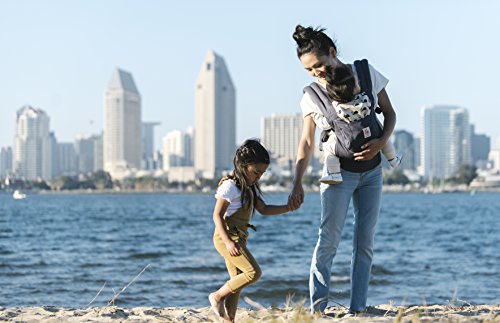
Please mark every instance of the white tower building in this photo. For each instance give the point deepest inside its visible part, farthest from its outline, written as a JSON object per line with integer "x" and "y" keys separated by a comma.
{"x": 177, "y": 149}
{"x": 67, "y": 160}
{"x": 87, "y": 153}
{"x": 280, "y": 134}
{"x": 445, "y": 142}
{"x": 215, "y": 118}
{"x": 122, "y": 124}
{"x": 32, "y": 144}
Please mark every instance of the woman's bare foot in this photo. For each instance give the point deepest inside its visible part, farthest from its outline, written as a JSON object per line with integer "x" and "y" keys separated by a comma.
{"x": 217, "y": 305}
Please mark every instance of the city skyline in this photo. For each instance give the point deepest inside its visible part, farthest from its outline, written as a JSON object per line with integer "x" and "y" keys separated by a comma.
{"x": 429, "y": 54}
{"x": 449, "y": 143}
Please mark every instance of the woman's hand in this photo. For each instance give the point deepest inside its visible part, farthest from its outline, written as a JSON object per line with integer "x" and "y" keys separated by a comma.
{"x": 296, "y": 197}
{"x": 370, "y": 150}
{"x": 304, "y": 153}
{"x": 233, "y": 248}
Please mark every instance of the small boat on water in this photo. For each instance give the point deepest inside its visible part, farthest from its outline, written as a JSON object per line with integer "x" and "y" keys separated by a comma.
{"x": 17, "y": 195}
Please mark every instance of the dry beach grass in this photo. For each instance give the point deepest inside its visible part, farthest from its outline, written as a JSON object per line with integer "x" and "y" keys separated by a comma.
{"x": 291, "y": 312}
{"x": 380, "y": 313}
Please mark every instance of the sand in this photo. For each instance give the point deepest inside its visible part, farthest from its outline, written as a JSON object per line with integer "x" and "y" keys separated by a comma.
{"x": 380, "y": 313}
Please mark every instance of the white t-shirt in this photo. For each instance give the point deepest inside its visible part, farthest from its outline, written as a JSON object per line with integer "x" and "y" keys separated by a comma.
{"x": 307, "y": 105}
{"x": 231, "y": 193}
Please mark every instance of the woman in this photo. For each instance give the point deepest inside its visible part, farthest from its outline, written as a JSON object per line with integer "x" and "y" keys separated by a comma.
{"x": 362, "y": 182}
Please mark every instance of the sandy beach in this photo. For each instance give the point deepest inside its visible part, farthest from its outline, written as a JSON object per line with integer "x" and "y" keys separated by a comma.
{"x": 380, "y": 313}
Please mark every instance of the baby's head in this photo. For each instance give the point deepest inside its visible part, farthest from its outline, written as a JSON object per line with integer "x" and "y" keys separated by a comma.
{"x": 341, "y": 84}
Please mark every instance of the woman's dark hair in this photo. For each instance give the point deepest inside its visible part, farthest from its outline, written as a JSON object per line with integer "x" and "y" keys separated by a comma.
{"x": 340, "y": 83}
{"x": 249, "y": 153}
{"x": 310, "y": 40}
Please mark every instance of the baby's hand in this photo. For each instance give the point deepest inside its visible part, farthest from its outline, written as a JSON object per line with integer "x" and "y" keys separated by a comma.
{"x": 233, "y": 248}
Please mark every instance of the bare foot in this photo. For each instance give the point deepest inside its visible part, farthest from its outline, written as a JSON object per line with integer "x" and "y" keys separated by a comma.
{"x": 217, "y": 306}
{"x": 229, "y": 315}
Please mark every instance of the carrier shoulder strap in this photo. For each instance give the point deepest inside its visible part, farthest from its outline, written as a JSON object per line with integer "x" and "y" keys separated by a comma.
{"x": 318, "y": 97}
{"x": 365, "y": 81}
{"x": 322, "y": 101}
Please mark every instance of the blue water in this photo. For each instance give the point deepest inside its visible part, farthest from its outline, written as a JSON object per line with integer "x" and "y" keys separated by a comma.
{"x": 60, "y": 250}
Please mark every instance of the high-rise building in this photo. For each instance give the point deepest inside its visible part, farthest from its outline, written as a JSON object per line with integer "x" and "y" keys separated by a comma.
{"x": 405, "y": 145}
{"x": 446, "y": 141}
{"x": 98, "y": 153}
{"x": 5, "y": 161}
{"x": 280, "y": 134}
{"x": 67, "y": 161}
{"x": 32, "y": 144}
{"x": 148, "y": 144}
{"x": 158, "y": 160}
{"x": 177, "y": 149}
{"x": 54, "y": 151}
{"x": 122, "y": 124}
{"x": 85, "y": 146}
{"x": 215, "y": 118}
{"x": 494, "y": 158}
{"x": 189, "y": 146}
{"x": 480, "y": 146}
{"x": 418, "y": 155}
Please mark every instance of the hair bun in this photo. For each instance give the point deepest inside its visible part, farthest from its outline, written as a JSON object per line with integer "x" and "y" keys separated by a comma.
{"x": 312, "y": 40}
{"x": 303, "y": 35}
{"x": 244, "y": 150}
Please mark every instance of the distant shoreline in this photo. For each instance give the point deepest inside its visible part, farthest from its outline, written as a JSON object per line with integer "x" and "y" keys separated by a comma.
{"x": 385, "y": 189}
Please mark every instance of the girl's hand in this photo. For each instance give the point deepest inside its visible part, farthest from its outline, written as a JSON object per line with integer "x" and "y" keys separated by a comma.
{"x": 233, "y": 248}
{"x": 296, "y": 197}
{"x": 370, "y": 150}
{"x": 290, "y": 207}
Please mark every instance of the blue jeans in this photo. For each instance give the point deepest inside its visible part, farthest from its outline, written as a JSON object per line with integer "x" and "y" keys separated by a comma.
{"x": 365, "y": 190}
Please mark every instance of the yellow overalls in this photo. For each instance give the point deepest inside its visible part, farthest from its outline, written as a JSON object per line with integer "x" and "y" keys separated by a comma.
{"x": 243, "y": 269}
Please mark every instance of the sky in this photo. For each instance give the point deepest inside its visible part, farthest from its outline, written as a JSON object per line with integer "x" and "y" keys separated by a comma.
{"x": 59, "y": 56}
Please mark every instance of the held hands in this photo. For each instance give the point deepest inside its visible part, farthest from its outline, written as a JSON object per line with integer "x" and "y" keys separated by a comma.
{"x": 296, "y": 197}
{"x": 370, "y": 150}
{"x": 233, "y": 248}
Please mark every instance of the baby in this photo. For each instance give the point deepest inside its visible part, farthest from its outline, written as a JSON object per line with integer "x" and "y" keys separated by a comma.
{"x": 357, "y": 108}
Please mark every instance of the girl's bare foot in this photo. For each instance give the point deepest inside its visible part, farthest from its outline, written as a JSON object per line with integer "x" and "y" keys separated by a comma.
{"x": 217, "y": 305}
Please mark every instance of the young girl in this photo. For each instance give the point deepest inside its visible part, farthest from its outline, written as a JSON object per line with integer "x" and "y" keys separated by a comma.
{"x": 237, "y": 196}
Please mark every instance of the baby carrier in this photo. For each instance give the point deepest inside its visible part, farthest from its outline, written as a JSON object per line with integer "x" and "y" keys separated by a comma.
{"x": 350, "y": 136}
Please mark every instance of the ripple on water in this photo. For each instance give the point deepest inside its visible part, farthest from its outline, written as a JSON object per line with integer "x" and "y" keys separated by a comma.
{"x": 381, "y": 270}
{"x": 426, "y": 246}
{"x": 149, "y": 255}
